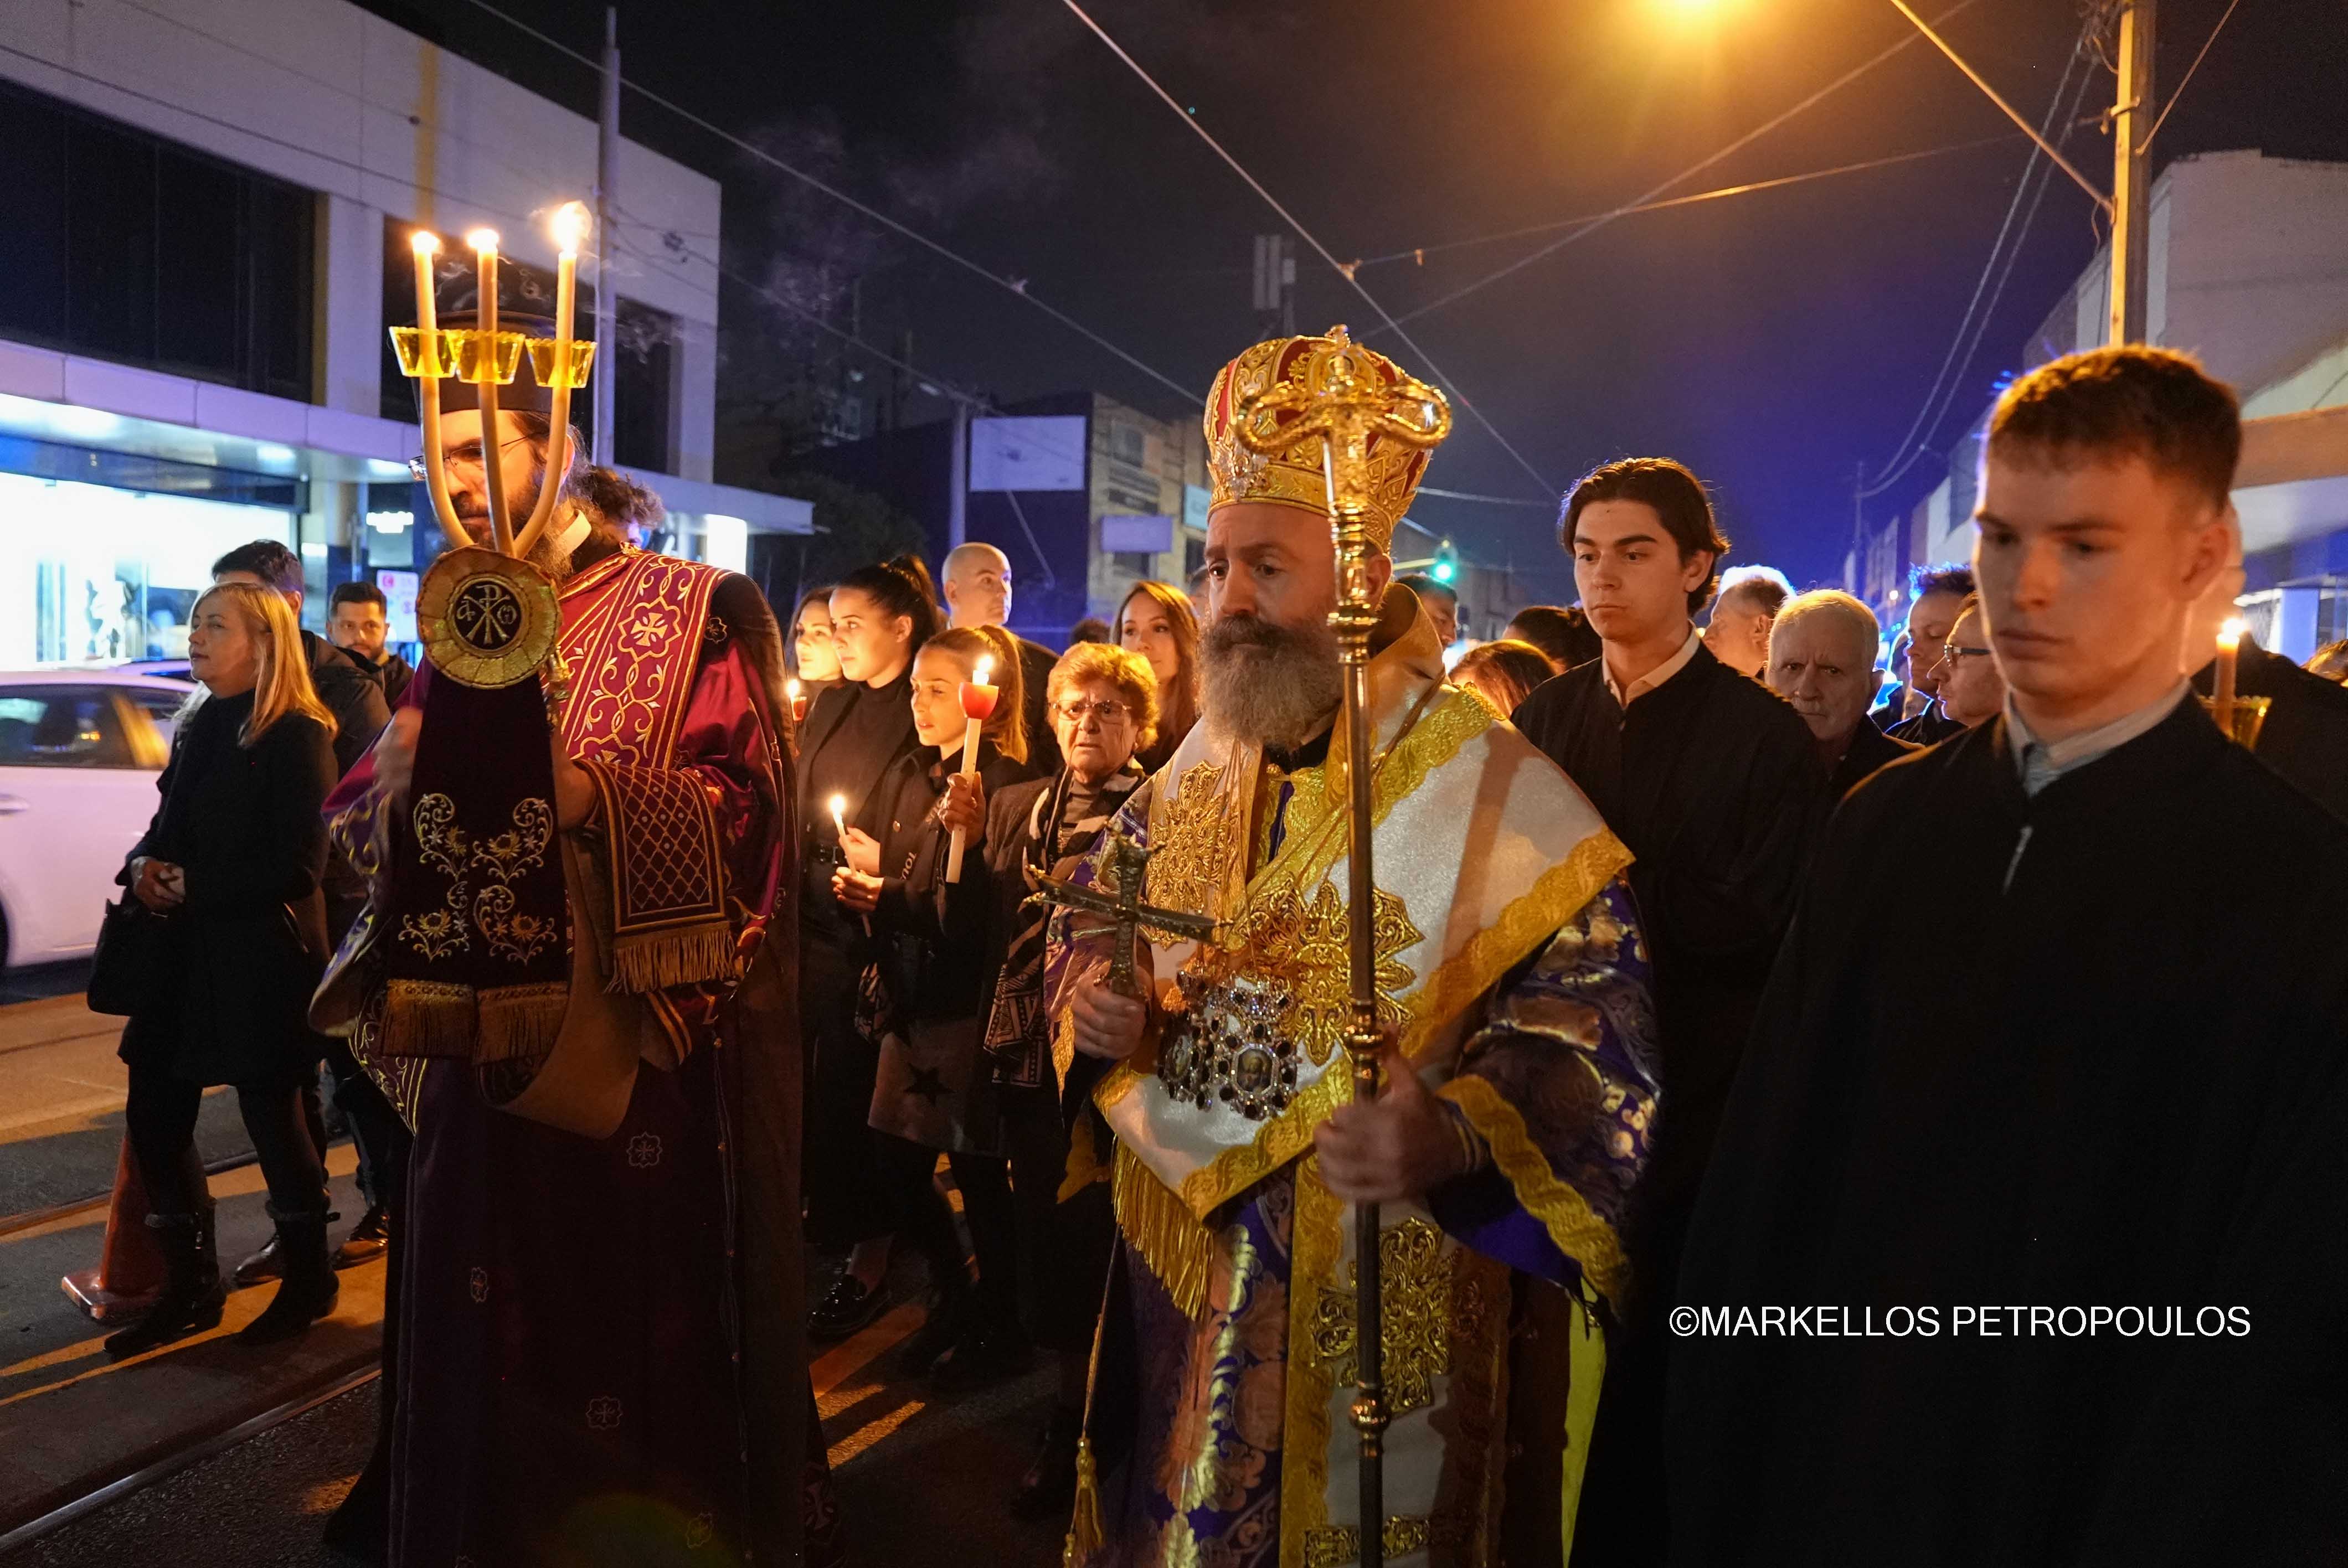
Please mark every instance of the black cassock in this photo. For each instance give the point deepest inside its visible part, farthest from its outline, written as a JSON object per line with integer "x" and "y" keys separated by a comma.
{"x": 1713, "y": 782}
{"x": 2120, "y": 1085}
{"x": 2305, "y": 736}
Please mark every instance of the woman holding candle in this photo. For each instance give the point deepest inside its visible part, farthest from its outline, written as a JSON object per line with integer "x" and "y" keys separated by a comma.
{"x": 1104, "y": 706}
{"x": 855, "y": 730}
{"x": 927, "y": 993}
{"x": 1156, "y": 622}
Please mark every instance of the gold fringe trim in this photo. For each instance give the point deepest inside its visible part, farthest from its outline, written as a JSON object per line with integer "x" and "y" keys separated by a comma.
{"x": 520, "y": 1021}
{"x": 1576, "y": 1230}
{"x": 1084, "y": 1533}
{"x": 1527, "y": 921}
{"x": 1177, "y": 1249}
{"x": 428, "y": 1018}
{"x": 655, "y": 960}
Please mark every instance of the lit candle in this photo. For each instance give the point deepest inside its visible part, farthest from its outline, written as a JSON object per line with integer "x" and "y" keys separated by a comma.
{"x": 839, "y": 806}
{"x": 2222, "y": 688}
{"x": 427, "y": 246}
{"x": 571, "y": 225}
{"x": 799, "y": 701}
{"x": 977, "y": 707}
{"x": 484, "y": 242}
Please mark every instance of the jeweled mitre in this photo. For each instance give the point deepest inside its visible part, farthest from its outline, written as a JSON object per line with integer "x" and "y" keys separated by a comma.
{"x": 1293, "y": 478}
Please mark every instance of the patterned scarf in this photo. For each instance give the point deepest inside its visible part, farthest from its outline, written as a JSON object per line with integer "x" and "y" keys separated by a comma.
{"x": 1066, "y": 823}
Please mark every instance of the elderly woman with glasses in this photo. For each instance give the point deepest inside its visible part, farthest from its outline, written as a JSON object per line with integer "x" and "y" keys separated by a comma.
{"x": 1104, "y": 708}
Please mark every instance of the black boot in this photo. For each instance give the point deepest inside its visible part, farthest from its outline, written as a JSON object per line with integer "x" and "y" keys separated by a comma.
{"x": 990, "y": 1348}
{"x": 947, "y": 1320}
{"x": 308, "y": 1291}
{"x": 193, "y": 1293}
{"x": 1049, "y": 1487}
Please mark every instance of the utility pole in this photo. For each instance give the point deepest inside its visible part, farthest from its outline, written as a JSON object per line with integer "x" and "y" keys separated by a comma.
{"x": 958, "y": 497}
{"x": 1276, "y": 285}
{"x": 2131, "y": 173}
{"x": 607, "y": 307}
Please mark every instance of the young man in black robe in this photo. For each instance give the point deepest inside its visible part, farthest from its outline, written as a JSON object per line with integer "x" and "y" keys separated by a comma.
{"x": 2305, "y": 735}
{"x": 2067, "y": 1234}
{"x": 1713, "y": 782}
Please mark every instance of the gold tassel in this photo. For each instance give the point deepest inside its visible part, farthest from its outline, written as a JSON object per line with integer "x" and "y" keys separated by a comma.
{"x": 1085, "y": 1535}
{"x": 1179, "y": 1250}
{"x": 654, "y": 961}
{"x": 520, "y": 1021}
{"x": 428, "y": 1018}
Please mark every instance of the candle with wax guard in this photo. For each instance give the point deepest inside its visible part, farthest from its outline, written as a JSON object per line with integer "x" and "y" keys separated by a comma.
{"x": 978, "y": 698}
{"x": 792, "y": 690}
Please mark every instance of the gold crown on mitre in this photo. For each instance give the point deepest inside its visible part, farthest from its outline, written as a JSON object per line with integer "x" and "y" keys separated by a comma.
{"x": 1295, "y": 478}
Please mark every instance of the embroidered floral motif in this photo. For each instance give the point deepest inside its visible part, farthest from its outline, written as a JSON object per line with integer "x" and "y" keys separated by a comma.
{"x": 1416, "y": 1304}
{"x": 445, "y": 846}
{"x": 480, "y": 1284}
{"x": 1187, "y": 871}
{"x": 602, "y": 1414}
{"x": 643, "y": 1151}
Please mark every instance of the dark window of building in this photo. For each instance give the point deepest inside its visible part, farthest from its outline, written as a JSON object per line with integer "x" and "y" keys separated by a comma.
{"x": 644, "y": 360}
{"x": 124, "y": 246}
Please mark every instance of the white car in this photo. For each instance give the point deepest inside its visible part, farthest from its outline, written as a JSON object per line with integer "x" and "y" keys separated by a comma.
{"x": 79, "y": 752}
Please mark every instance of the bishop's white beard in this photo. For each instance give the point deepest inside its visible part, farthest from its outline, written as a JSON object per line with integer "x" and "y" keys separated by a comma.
{"x": 1270, "y": 684}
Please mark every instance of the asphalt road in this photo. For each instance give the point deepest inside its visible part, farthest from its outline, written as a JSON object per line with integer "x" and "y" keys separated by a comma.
{"x": 922, "y": 1482}
{"x": 61, "y": 1091}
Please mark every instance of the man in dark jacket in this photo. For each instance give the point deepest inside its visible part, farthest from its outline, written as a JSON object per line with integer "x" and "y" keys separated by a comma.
{"x": 1822, "y": 661}
{"x": 358, "y": 621}
{"x": 354, "y": 695}
{"x": 1714, "y": 784}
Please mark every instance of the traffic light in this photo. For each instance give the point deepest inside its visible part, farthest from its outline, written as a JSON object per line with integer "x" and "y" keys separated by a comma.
{"x": 1447, "y": 563}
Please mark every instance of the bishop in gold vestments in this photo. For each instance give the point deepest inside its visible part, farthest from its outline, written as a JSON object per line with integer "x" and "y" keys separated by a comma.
{"x": 1512, "y": 979}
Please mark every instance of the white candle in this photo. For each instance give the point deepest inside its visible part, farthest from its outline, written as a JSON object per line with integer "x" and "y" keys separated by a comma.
{"x": 484, "y": 242}
{"x": 427, "y": 246}
{"x": 977, "y": 706}
{"x": 2221, "y": 686}
{"x": 571, "y": 225}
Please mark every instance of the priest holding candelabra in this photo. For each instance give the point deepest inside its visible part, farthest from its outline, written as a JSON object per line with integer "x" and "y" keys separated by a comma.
{"x": 574, "y": 979}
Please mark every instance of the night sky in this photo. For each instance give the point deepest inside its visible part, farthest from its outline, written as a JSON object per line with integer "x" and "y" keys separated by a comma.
{"x": 1774, "y": 342}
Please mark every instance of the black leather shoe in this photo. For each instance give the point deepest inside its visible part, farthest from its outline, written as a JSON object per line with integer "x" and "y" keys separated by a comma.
{"x": 1049, "y": 1487}
{"x": 367, "y": 1240}
{"x": 846, "y": 1307}
{"x": 259, "y": 1268}
{"x": 980, "y": 1356}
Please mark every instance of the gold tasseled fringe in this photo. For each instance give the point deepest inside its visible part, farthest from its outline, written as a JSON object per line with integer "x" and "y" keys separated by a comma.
{"x": 1085, "y": 1528}
{"x": 520, "y": 1022}
{"x": 655, "y": 960}
{"x": 1179, "y": 1250}
{"x": 428, "y": 1018}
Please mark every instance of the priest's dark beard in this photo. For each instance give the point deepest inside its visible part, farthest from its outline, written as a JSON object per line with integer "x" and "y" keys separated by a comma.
{"x": 544, "y": 553}
{"x": 1272, "y": 684}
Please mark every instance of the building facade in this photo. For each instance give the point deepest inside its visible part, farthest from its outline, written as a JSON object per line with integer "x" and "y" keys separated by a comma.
{"x": 208, "y": 207}
{"x": 2245, "y": 272}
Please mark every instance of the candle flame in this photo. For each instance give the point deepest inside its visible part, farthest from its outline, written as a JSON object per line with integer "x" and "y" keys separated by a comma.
{"x": 571, "y": 225}
{"x": 485, "y": 240}
{"x": 791, "y": 690}
{"x": 2230, "y": 634}
{"x": 424, "y": 242}
{"x": 839, "y": 805}
{"x": 985, "y": 668}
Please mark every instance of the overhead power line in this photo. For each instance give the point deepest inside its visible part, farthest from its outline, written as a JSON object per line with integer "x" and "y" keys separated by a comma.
{"x": 2032, "y": 186}
{"x": 2187, "y": 76}
{"x": 1306, "y": 234}
{"x": 1690, "y": 172}
{"x": 1418, "y": 252}
{"x": 1018, "y": 287}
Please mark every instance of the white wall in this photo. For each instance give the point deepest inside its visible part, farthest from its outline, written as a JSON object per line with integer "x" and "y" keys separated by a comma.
{"x": 324, "y": 95}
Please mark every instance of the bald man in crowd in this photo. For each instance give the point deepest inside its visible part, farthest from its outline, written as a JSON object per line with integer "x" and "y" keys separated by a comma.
{"x": 977, "y": 587}
{"x": 1822, "y": 661}
{"x": 1738, "y": 631}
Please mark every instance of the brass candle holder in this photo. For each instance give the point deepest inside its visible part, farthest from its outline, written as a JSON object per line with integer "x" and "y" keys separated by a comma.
{"x": 2246, "y": 716}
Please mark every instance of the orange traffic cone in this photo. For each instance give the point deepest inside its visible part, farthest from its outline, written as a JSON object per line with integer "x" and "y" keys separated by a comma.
{"x": 129, "y": 1269}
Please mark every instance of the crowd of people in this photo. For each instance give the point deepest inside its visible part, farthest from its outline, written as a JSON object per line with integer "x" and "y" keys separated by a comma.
{"x": 1882, "y": 978}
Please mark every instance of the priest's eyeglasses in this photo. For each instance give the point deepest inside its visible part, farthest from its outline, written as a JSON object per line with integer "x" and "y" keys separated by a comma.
{"x": 1106, "y": 712}
{"x": 1951, "y": 652}
{"x": 461, "y": 459}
